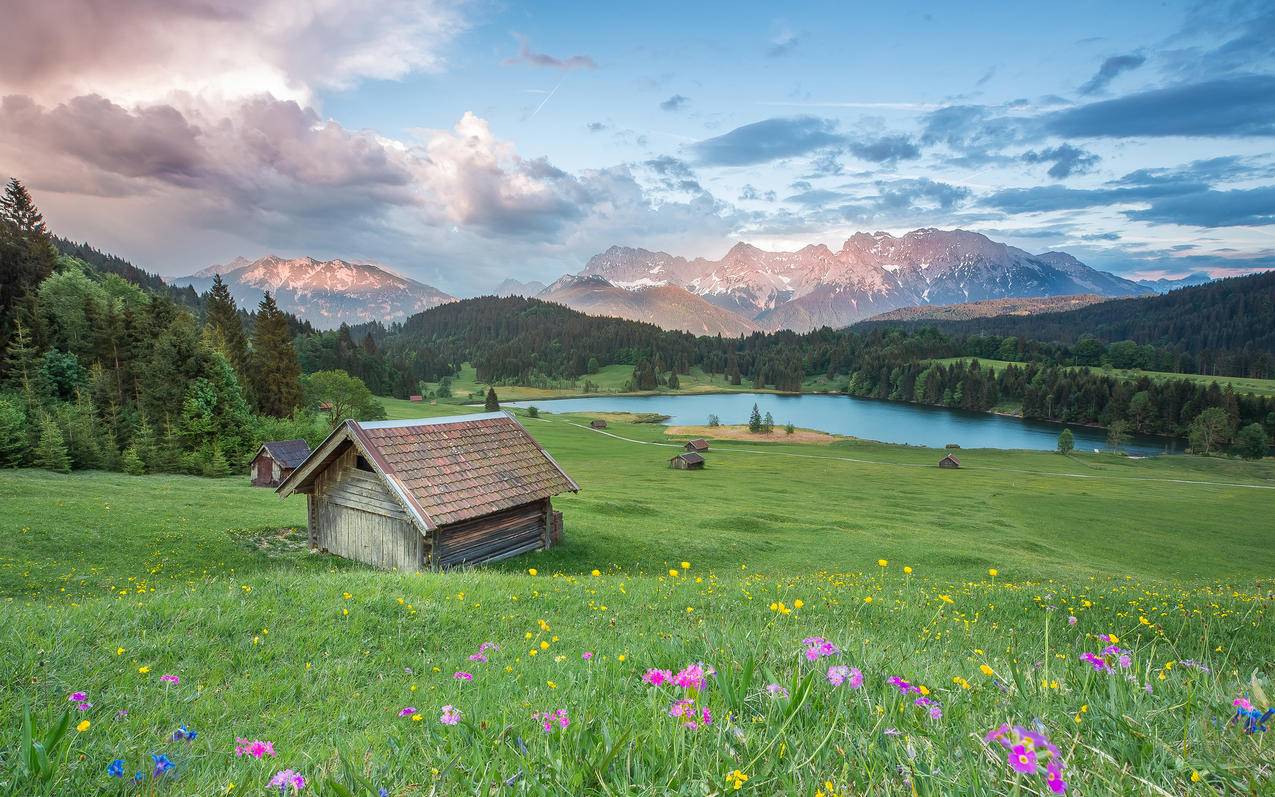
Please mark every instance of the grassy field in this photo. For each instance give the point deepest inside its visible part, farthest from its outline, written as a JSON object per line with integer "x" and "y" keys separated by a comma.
{"x": 111, "y": 581}
{"x": 1258, "y": 387}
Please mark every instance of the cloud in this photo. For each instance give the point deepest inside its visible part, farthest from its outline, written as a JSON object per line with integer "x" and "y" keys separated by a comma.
{"x": 1241, "y": 106}
{"x": 674, "y": 174}
{"x": 146, "y": 50}
{"x": 768, "y": 140}
{"x": 886, "y": 149}
{"x": 528, "y": 56}
{"x": 1066, "y": 159}
{"x": 596, "y": 127}
{"x": 1252, "y": 207}
{"x": 816, "y": 196}
{"x": 783, "y": 43}
{"x": 920, "y": 193}
{"x": 675, "y": 103}
{"x": 1110, "y": 69}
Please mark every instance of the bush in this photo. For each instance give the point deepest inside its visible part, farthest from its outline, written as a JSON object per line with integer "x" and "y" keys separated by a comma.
{"x": 1251, "y": 442}
{"x": 789, "y": 428}
{"x": 532, "y": 412}
{"x": 217, "y": 466}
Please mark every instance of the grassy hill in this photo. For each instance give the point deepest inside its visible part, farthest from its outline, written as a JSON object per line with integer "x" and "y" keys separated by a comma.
{"x": 1257, "y": 387}
{"x": 110, "y": 581}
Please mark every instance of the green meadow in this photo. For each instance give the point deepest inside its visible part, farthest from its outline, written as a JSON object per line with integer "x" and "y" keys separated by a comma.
{"x": 1016, "y": 565}
{"x": 1258, "y": 387}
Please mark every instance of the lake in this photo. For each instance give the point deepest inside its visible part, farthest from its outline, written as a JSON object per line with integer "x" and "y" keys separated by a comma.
{"x": 885, "y": 421}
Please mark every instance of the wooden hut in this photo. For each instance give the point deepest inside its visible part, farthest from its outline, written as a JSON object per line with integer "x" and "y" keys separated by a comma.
{"x": 950, "y": 461}
{"x": 699, "y": 445}
{"x": 431, "y": 493}
{"x": 687, "y": 461}
{"x": 276, "y": 460}
{"x": 598, "y": 423}
{"x": 415, "y": 398}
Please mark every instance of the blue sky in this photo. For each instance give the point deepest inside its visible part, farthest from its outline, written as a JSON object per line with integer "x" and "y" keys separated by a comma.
{"x": 463, "y": 143}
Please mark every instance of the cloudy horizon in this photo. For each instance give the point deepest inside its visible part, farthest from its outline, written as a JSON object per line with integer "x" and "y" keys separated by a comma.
{"x": 464, "y": 143}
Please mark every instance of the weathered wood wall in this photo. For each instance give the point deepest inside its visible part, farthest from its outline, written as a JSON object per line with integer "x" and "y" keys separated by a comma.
{"x": 354, "y": 515}
{"x": 493, "y": 537}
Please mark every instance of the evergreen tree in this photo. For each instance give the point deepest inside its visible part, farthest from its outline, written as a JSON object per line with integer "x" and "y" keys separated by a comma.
{"x": 145, "y": 446}
{"x": 276, "y": 370}
{"x": 492, "y": 404}
{"x": 50, "y": 451}
{"x": 673, "y": 383}
{"x": 131, "y": 461}
{"x": 768, "y": 424}
{"x": 27, "y": 255}
{"x": 789, "y": 428}
{"x": 754, "y": 421}
{"x": 226, "y": 328}
{"x": 14, "y": 442}
{"x": 217, "y": 465}
{"x": 21, "y": 366}
{"x": 1066, "y": 441}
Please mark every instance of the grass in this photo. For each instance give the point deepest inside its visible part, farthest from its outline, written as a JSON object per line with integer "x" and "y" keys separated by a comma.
{"x": 1258, "y": 387}
{"x": 103, "y": 574}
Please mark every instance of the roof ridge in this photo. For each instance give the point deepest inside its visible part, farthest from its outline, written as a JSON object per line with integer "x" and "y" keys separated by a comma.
{"x": 435, "y": 421}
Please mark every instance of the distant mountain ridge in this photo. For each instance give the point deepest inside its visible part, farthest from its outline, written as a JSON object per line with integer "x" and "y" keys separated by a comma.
{"x": 1164, "y": 285}
{"x": 326, "y": 293}
{"x": 666, "y": 306}
{"x": 872, "y": 273}
{"x": 990, "y": 308}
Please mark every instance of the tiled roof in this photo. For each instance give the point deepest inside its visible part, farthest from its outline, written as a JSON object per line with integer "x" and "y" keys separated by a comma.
{"x": 462, "y": 467}
{"x": 690, "y": 458}
{"x": 288, "y": 453}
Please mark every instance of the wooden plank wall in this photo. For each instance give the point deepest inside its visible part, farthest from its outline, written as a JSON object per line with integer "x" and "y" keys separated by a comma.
{"x": 356, "y": 517}
{"x": 492, "y": 537}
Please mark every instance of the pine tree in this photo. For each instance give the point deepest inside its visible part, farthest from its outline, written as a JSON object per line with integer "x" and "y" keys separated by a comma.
{"x": 14, "y": 442}
{"x": 27, "y": 255}
{"x": 492, "y": 403}
{"x": 217, "y": 465}
{"x": 754, "y": 421}
{"x": 145, "y": 445}
{"x": 131, "y": 461}
{"x": 768, "y": 424}
{"x": 226, "y": 328}
{"x": 276, "y": 370}
{"x": 50, "y": 451}
{"x": 21, "y": 365}
{"x": 673, "y": 383}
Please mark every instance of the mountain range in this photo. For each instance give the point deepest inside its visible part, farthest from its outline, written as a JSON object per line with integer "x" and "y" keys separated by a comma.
{"x": 1163, "y": 285}
{"x": 870, "y": 274}
{"x": 327, "y": 293}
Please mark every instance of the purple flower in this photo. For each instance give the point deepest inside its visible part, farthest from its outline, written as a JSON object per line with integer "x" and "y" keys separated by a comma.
{"x": 286, "y": 779}
{"x": 1023, "y": 759}
{"x": 77, "y": 697}
{"x": 837, "y": 674}
{"x": 691, "y": 677}
{"x": 587, "y": 655}
{"x": 903, "y": 686}
{"x": 817, "y": 648}
{"x": 776, "y": 690}
{"x": 463, "y": 676}
{"x": 1095, "y": 661}
{"x": 407, "y": 712}
{"x": 656, "y": 677}
{"x": 450, "y": 715}
{"x": 171, "y": 679}
{"x": 549, "y": 719}
{"x": 691, "y": 718}
{"x": 1071, "y": 619}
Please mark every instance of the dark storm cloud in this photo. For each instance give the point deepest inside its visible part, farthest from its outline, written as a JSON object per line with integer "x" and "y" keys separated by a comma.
{"x": 768, "y": 140}
{"x": 1110, "y": 69}
{"x": 1066, "y": 160}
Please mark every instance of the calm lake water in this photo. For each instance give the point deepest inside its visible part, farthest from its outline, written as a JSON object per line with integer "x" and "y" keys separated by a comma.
{"x": 886, "y": 421}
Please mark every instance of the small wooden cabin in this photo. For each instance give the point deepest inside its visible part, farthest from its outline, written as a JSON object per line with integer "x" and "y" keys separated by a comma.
{"x": 431, "y": 493}
{"x": 415, "y": 397}
{"x": 598, "y": 423}
{"x": 687, "y": 461}
{"x": 950, "y": 461}
{"x": 276, "y": 460}
{"x": 699, "y": 445}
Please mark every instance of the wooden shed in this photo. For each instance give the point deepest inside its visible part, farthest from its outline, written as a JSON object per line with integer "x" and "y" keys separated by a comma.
{"x": 431, "y": 493}
{"x": 598, "y": 423}
{"x": 276, "y": 460}
{"x": 950, "y": 461}
{"x": 699, "y": 445}
{"x": 687, "y": 461}
{"x": 415, "y": 398}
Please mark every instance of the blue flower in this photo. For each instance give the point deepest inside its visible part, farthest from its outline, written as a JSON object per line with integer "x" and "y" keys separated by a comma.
{"x": 184, "y": 734}
{"x": 162, "y": 764}
{"x": 116, "y": 768}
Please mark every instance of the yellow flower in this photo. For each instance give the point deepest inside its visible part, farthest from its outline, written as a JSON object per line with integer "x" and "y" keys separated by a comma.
{"x": 672, "y": 573}
{"x": 736, "y": 779}
{"x": 907, "y": 570}
{"x": 924, "y": 691}
{"x": 552, "y": 685}
{"x": 993, "y": 572}
{"x": 868, "y": 599}
{"x": 544, "y": 645}
{"x": 346, "y": 595}
{"x": 83, "y": 726}
{"x": 946, "y": 599}
{"x": 345, "y": 612}
{"x": 230, "y": 786}
{"x": 686, "y": 565}
{"x": 416, "y": 718}
{"x": 596, "y": 572}
{"x": 143, "y": 669}
{"x": 1195, "y": 776}
{"x": 620, "y": 657}
{"x": 797, "y": 604}
{"x": 532, "y": 571}
{"x": 988, "y": 671}
{"x": 119, "y": 651}
{"x": 532, "y": 652}
{"x": 883, "y": 562}
{"x": 527, "y": 635}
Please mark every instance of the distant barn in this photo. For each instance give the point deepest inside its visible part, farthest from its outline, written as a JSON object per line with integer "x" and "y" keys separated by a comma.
{"x": 415, "y": 397}
{"x": 688, "y": 461}
{"x": 431, "y": 493}
{"x": 950, "y": 461}
{"x": 598, "y": 423}
{"x": 699, "y": 445}
{"x": 276, "y": 460}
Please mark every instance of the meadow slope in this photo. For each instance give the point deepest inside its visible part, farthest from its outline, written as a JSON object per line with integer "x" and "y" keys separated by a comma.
{"x": 110, "y": 581}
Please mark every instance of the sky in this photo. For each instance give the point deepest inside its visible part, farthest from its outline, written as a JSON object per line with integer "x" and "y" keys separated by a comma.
{"x": 462, "y": 143}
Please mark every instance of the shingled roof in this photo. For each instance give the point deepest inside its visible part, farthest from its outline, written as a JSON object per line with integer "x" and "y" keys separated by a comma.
{"x": 288, "y": 453}
{"x": 447, "y": 470}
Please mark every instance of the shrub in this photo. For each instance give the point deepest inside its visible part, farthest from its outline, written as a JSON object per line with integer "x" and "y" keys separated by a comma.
{"x": 533, "y": 412}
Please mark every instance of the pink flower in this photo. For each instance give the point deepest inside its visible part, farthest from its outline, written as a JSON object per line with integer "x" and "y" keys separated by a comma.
{"x": 1095, "y": 661}
{"x": 691, "y": 718}
{"x": 656, "y": 677}
{"x": 903, "y": 686}
{"x": 450, "y": 715}
{"x": 172, "y": 679}
{"x": 478, "y": 657}
{"x": 856, "y": 678}
{"x": 551, "y": 718}
{"x": 838, "y": 674}
{"x": 463, "y": 676}
{"x": 287, "y": 778}
{"x": 1054, "y": 777}
{"x": 1071, "y": 619}
{"x": 407, "y": 712}
{"x": 691, "y": 677}
{"x": 776, "y": 690}
{"x": 1242, "y": 702}
{"x": 77, "y": 697}
{"x": 255, "y": 748}
{"x": 817, "y": 647}
{"x": 587, "y": 655}
{"x": 1023, "y": 759}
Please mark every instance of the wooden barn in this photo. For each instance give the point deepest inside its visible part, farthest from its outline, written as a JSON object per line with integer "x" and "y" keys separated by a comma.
{"x": 687, "y": 461}
{"x": 276, "y": 460}
{"x": 950, "y": 461}
{"x": 699, "y": 445}
{"x": 415, "y": 398}
{"x": 431, "y": 493}
{"x": 598, "y": 423}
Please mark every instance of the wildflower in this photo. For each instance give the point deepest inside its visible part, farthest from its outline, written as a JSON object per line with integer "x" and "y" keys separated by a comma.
{"x": 776, "y": 690}
{"x": 551, "y": 719}
{"x": 797, "y": 604}
{"x": 595, "y": 572}
{"x": 837, "y": 674}
{"x": 1023, "y": 759}
{"x": 450, "y": 715}
{"x": 587, "y": 655}
{"x": 883, "y": 563}
{"x": 656, "y": 677}
{"x": 1097, "y": 662}
{"x": 143, "y": 669}
{"x": 255, "y": 748}
{"x": 817, "y": 647}
{"x": 83, "y": 726}
{"x": 287, "y": 778}
{"x": 407, "y": 712}
{"x": 116, "y": 768}
{"x": 736, "y": 779}
{"x": 162, "y": 764}
{"x": 692, "y": 719}
{"x": 993, "y": 572}
{"x": 686, "y": 565}
{"x": 961, "y": 682}
{"x": 1026, "y": 750}
{"x": 463, "y": 676}
{"x": 531, "y": 571}
{"x": 903, "y": 686}
{"x": 690, "y": 677}
{"x": 672, "y": 573}
{"x": 946, "y": 599}
{"x": 184, "y": 734}
{"x": 77, "y": 697}
{"x": 907, "y": 570}
{"x": 1071, "y": 619}
{"x": 170, "y": 679}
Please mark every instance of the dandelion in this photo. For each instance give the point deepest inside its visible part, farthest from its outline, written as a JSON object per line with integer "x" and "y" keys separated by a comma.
{"x": 143, "y": 669}
{"x": 286, "y": 779}
{"x": 907, "y": 570}
{"x": 531, "y": 571}
{"x": 450, "y": 715}
{"x": 736, "y": 779}
{"x": 883, "y": 563}
{"x": 595, "y": 572}
{"x": 170, "y": 679}
{"x": 254, "y": 748}
{"x": 115, "y": 769}
{"x": 993, "y": 572}
{"x": 686, "y": 565}
{"x": 83, "y": 726}
{"x": 672, "y": 573}
{"x": 797, "y": 604}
